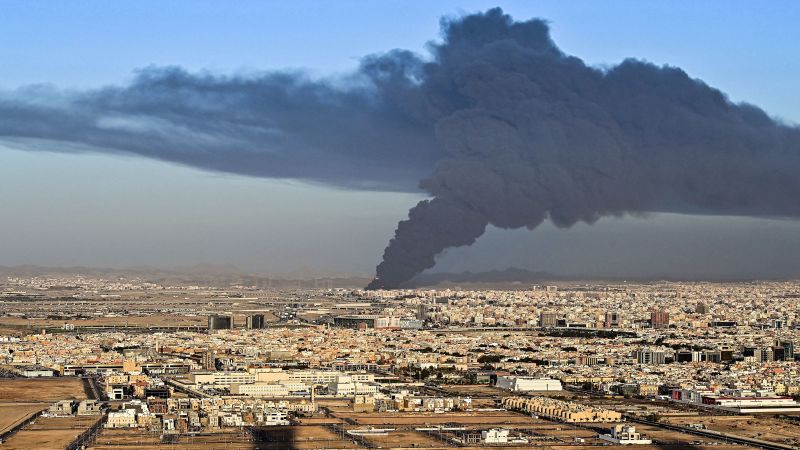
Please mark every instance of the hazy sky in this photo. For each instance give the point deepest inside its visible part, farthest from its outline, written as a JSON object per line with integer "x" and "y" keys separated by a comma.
{"x": 100, "y": 210}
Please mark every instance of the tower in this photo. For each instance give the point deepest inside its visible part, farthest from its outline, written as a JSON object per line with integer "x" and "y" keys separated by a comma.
{"x": 255, "y": 322}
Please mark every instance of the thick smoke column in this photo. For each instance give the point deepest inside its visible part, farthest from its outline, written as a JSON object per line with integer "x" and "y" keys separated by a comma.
{"x": 503, "y": 128}
{"x": 532, "y": 134}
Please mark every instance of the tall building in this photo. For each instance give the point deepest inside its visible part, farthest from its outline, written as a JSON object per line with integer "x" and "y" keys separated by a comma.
{"x": 255, "y": 322}
{"x": 356, "y": 322}
{"x": 613, "y": 319}
{"x": 645, "y": 356}
{"x": 714, "y": 356}
{"x": 788, "y": 349}
{"x": 422, "y": 312}
{"x": 763, "y": 354}
{"x": 217, "y": 322}
{"x": 659, "y": 318}
{"x": 209, "y": 360}
{"x": 702, "y": 308}
{"x": 548, "y": 319}
{"x": 688, "y": 356}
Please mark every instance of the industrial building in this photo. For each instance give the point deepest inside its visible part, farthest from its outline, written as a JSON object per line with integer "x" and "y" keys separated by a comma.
{"x": 219, "y": 322}
{"x": 527, "y": 384}
{"x": 255, "y": 322}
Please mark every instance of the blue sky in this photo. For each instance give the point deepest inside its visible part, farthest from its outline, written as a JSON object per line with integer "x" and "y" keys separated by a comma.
{"x": 99, "y": 210}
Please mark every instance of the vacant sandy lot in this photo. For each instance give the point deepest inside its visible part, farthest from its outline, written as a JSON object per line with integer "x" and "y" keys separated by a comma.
{"x": 404, "y": 438}
{"x": 421, "y": 419}
{"x": 273, "y": 438}
{"x": 131, "y": 320}
{"x": 755, "y": 427}
{"x": 11, "y": 414}
{"x": 49, "y": 433}
{"x": 20, "y": 390}
{"x": 318, "y": 437}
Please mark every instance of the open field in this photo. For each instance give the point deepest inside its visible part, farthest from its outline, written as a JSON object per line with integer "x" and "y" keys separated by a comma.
{"x": 141, "y": 439}
{"x": 645, "y": 447}
{"x": 755, "y": 427}
{"x": 134, "y": 321}
{"x": 12, "y": 414}
{"x": 268, "y": 438}
{"x": 41, "y": 389}
{"x": 674, "y": 438}
{"x": 319, "y": 437}
{"x": 302, "y": 437}
{"x": 318, "y": 420}
{"x": 335, "y": 404}
{"x": 404, "y": 438}
{"x": 48, "y": 433}
{"x": 540, "y": 432}
{"x": 493, "y": 418}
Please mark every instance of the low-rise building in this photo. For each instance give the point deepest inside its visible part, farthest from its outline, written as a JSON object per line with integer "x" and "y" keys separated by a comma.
{"x": 624, "y": 434}
{"x": 560, "y": 410}
{"x": 527, "y": 384}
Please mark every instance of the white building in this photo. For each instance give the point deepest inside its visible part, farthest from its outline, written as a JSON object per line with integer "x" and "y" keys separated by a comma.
{"x": 347, "y": 385}
{"x": 495, "y": 436}
{"x": 36, "y": 372}
{"x": 221, "y": 379}
{"x": 260, "y": 389}
{"x": 625, "y": 435}
{"x": 308, "y": 377}
{"x": 121, "y": 419}
{"x": 272, "y": 416}
{"x": 527, "y": 384}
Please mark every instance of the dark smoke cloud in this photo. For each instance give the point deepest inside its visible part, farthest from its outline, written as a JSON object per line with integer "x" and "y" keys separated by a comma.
{"x": 532, "y": 134}
{"x": 364, "y": 131}
{"x": 502, "y": 127}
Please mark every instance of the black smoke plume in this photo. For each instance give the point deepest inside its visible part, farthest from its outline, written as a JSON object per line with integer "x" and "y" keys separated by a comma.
{"x": 532, "y": 134}
{"x": 368, "y": 130}
{"x": 502, "y": 127}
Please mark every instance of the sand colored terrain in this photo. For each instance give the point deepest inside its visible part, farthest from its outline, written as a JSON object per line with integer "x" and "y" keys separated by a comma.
{"x": 12, "y": 414}
{"x": 50, "y": 390}
{"x": 134, "y": 321}
{"x": 48, "y": 433}
{"x": 274, "y": 438}
{"x": 755, "y": 427}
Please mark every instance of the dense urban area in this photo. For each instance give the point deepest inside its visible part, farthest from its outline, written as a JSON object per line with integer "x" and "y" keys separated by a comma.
{"x": 108, "y": 363}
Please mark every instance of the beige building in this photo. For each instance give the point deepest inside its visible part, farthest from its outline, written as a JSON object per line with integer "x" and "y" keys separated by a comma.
{"x": 560, "y": 410}
{"x": 260, "y": 389}
{"x": 121, "y": 419}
